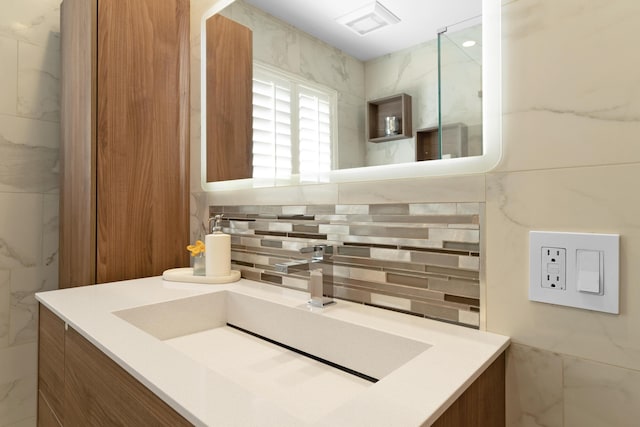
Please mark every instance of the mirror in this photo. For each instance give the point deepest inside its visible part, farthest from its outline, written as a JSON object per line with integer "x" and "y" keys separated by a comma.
{"x": 354, "y": 158}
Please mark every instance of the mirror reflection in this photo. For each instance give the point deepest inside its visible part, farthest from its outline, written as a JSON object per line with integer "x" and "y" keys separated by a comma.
{"x": 315, "y": 107}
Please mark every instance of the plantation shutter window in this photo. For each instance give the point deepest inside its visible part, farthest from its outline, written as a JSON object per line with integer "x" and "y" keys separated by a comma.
{"x": 314, "y": 118}
{"x": 292, "y": 128}
{"x": 271, "y": 129}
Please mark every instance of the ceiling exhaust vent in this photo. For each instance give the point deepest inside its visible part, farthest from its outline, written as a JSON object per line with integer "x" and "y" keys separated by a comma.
{"x": 368, "y": 18}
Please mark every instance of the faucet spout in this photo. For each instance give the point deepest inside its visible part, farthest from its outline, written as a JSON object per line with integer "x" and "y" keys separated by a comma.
{"x": 293, "y": 266}
{"x": 316, "y": 277}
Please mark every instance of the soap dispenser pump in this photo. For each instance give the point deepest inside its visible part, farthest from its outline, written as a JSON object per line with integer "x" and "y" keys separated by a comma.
{"x": 218, "y": 249}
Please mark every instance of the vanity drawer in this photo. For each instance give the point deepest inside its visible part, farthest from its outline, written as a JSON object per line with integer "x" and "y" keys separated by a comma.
{"x": 46, "y": 416}
{"x": 50, "y": 365}
{"x": 483, "y": 402}
{"x": 81, "y": 386}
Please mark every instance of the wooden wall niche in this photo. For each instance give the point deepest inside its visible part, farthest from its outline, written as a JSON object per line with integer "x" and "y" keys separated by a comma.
{"x": 125, "y": 140}
{"x": 379, "y": 109}
{"x": 454, "y": 142}
{"x": 229, "y": 117}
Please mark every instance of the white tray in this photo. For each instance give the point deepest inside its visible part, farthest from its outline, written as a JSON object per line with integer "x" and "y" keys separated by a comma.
{"x": 186, "y": 275}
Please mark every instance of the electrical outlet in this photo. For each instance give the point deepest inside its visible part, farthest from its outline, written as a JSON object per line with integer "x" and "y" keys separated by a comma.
{"x": 553, "y": 268}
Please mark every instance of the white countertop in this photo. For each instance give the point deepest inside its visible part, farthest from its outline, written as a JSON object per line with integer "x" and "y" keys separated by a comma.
{"x": 416, "y": 393}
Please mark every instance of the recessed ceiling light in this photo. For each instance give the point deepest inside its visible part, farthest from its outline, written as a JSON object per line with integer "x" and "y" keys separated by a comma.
{"x": 469, "y": 43}
{"x": 368, "y": 18}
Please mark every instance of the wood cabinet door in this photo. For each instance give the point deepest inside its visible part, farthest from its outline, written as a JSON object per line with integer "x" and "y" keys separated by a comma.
{"x": 125, "y": 139}
{"x": 78, "y": 144}
{"x": 229, "y": 129}
{"x": 98, "y": 392}
{"x": 51, "y": 337}
{"x": 78, "y": 385}
{"x": 142, "y": 138}
{"x": 483, "y": 402}
{"x": 46, "y": 416}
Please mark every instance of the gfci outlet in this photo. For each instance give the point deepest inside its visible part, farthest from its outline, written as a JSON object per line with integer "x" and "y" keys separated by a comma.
{"x": 554, "y": 268}
{"x": 575, "y": 269}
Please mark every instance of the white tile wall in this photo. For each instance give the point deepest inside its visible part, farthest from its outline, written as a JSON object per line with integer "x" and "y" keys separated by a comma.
{"x": 29, "y": 141}
{"x": 546, "y": 389}
{"x": 596, "y": 394}
{"x": 33, "y": 21}
{"x": 20, "y": 230}
{"x": 25, "y": 282}
{"x": 18, "y": 383}
{"x": 5, "y": 307}
{"x": 9, "y": 73}
{"x": 534, "y": 387}
{"x": 38, "y": 82}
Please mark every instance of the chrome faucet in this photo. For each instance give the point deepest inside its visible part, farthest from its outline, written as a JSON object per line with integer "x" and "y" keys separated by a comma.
{"x": 316, "y": 276}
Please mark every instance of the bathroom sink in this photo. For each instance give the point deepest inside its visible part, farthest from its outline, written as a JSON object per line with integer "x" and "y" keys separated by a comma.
{"x": 345, "y": 344}
{"x": 305, "y": 362}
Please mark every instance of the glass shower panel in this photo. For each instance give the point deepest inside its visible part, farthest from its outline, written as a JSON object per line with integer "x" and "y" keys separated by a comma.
{"x": 460, "y": 90}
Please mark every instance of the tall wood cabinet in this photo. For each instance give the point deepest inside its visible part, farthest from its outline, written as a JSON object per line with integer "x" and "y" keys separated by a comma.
{"x": 124, "y": 209}
{"x": 229, "y": 122}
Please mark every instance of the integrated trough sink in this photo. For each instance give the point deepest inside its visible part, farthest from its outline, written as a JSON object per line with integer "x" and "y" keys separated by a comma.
{"x": 303, "y": 361}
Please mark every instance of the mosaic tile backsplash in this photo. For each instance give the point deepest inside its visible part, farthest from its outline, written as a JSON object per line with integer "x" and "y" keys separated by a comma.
{"x": 417, "y": 258}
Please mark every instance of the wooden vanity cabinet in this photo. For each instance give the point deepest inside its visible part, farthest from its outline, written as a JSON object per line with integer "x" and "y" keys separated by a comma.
{"x": 482, "y": 404}
{"x": 50, "y": 369}
{"x": 124, "y": 157}
{"x": 78, "y": 385}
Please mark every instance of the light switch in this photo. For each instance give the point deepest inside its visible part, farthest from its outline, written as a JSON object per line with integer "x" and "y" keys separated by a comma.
{"x": 588, "y": 270}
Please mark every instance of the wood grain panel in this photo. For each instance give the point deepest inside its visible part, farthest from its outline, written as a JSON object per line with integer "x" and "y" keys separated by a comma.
{"x": 142, "y": 138}
{"x": 78, "y": 144}
{"x": 229, "y": 100}
{"x": 482, "y": 404}
{"x": 51, "y": 362}
{"x": 98, "y": 392}
{"x": 46, "y": 417}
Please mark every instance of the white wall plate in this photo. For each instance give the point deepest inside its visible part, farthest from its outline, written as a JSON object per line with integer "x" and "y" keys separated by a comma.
{"x": 587, "y": 271}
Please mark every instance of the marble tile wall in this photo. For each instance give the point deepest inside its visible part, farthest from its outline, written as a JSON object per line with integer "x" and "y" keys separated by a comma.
{"x": 422, "y": 259}
{"x": 29, "y": 141}
{"x": 547, "y": 389}
{"x": 571, "y": 158}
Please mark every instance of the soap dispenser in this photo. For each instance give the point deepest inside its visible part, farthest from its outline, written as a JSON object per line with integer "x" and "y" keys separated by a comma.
{"x": 218, "y": 252}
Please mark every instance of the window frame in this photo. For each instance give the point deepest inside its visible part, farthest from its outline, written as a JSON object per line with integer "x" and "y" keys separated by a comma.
{"x": 297, "y": 85}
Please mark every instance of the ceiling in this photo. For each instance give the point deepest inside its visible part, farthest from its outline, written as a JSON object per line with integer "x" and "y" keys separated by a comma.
{"x": 419, "y": 21}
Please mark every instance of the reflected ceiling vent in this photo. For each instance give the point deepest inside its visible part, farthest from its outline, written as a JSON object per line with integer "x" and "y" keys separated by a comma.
{"x": 368, "y": 18}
